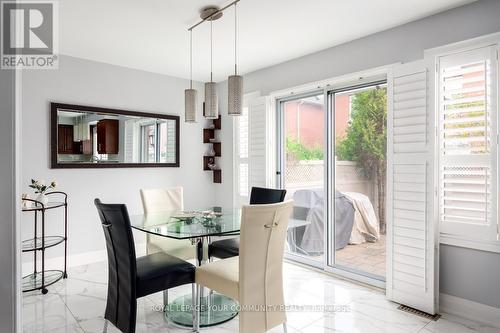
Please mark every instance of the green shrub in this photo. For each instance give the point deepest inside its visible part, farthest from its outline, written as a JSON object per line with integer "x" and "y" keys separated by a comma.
{"x": 301, "y": 152}
{"x": 366, "y": 140}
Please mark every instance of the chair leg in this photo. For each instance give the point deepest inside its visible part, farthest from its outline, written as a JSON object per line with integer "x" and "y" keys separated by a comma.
{"x": 211, "y": 292}
{"x": 198, "y": 308}
{"x": 165, "y": 300}
{"x": 105, "y": 329}
{"x": 285, "y": 330}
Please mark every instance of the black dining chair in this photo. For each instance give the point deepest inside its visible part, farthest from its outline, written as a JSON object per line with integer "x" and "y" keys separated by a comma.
{"x": 230, "y": 247}
{"x": 130, "y": 278}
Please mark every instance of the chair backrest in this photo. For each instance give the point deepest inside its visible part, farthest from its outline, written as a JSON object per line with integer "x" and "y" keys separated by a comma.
{"x": 162, "y": 199}
{"x": 262, "y": 196}
{"x": 121, "y": 304}
{"x": 262, "y": 245}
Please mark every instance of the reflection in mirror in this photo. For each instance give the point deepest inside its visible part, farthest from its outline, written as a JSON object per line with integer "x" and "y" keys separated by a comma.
{"x": 103, "y": 137}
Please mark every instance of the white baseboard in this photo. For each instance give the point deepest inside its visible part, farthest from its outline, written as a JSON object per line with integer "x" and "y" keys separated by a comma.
{"x": 75, "y": 260}
{"x": 469, "y": 309}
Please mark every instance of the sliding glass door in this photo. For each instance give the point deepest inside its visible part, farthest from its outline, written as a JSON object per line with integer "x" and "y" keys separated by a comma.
{"x": 302, "y": 151}
{"x": 331, "y": 161}
{"x": 358, "y": 151}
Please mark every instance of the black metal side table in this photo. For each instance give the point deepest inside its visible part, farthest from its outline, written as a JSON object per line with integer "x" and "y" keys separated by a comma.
{"x": 40, "y": 280}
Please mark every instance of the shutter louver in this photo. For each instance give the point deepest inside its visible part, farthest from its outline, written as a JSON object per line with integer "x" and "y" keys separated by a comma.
{"x": 465, "y": 123}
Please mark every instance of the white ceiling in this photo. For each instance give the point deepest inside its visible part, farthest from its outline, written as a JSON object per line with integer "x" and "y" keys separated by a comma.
{"x": 152, "y": 34}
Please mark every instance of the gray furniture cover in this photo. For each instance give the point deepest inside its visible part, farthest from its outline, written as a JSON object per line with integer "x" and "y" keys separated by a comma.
{"x": 309, "y": 205}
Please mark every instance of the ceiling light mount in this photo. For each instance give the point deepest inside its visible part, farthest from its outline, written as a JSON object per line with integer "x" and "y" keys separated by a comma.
{"x": 208, "y": 13}
{"x": 211, "y": 13}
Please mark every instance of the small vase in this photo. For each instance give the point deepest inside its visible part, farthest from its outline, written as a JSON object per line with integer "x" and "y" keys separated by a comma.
{"x": 42, "y": 198}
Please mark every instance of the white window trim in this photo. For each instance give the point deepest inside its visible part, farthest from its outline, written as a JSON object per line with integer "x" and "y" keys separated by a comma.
{"x": 453, "y": 240}
{"x": 432, "y": 57}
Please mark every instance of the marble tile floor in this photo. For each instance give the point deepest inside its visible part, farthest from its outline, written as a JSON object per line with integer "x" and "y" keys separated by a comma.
{"x": 77, "y": 305}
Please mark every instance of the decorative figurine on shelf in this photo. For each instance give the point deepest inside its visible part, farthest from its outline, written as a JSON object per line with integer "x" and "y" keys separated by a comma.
{"x": 213, "y": 166}
{"x": 25, "y": 203}
{"x": 211, "y": 152}
{"x": 41, "y": 188}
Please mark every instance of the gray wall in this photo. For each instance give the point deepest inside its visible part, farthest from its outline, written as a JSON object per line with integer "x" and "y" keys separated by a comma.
{"x": 470, "y": 274}
{"x": 400, "y": 44}
{"x": 465, "y": 273}
{"x": 79, "y": 81}
{"x": 8, "y": 242}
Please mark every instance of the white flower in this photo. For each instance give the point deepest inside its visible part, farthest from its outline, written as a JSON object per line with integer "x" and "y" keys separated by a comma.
{"x": 53, "y": 184}
{"x": 41, "y": 182}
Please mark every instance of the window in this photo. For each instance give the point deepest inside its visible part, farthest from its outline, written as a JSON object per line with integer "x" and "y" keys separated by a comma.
{"x": 468, "y": 144}
{"x": 148, "y": 143}
{"x": 158, "y": 142}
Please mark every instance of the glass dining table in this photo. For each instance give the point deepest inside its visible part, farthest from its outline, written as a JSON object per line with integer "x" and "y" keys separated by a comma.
{"x": 199, "y": 227}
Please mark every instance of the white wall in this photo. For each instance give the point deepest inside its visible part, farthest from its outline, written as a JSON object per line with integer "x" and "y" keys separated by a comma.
{"x": 79, "y": 81}
{"x": 9, "y": 209}
{"x": 473, "y": 276}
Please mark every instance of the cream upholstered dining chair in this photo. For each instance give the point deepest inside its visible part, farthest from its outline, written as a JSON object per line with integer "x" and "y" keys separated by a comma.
{"x": 161, "y": 200}
{"x": 255, "y": 278}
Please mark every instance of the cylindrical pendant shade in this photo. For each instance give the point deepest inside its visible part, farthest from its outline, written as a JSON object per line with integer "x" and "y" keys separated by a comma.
{"x": 235, "y": 95}
{"x": 190, "y": 102}
{"x": 211, "y": 101}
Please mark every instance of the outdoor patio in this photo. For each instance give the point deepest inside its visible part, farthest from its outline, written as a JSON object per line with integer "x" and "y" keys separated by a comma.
{"x": 367, "y": 257}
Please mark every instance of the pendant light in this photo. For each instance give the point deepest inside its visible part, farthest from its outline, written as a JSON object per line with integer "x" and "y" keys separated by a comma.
{"x": 190, "y": 95}
{"x": 235, "y": 82}
{"x": 211, "y": 98}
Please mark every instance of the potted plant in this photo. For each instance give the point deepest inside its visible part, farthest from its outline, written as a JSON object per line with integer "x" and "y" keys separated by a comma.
{"x": 41, "y": 188}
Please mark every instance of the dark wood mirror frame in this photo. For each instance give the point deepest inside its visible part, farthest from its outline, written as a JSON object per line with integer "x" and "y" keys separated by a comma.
{"x": 54, "y": 107}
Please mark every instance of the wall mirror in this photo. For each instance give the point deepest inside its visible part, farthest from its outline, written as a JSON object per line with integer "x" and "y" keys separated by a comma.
{"x": 93, "y": 137}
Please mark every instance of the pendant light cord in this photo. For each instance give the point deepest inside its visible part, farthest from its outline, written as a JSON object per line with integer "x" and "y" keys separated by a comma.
{"x": 235, "y": 40}
{"x": 190, "y": 59}
{"x": 211, "y": 47}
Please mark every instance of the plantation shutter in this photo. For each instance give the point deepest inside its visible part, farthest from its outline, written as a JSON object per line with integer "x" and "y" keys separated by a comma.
{"x": 468, "y": 143}
{"x": 251, "y": 147}
{"x": 129, "y": 141}
{"x": 258, "y": 142}
{"x": 241, "y": 157}
{"x": 411, "y": 234}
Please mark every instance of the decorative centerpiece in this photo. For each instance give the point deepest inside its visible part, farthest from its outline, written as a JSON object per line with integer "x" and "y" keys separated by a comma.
{"x": 186, "y": 217}
{"x": 210, "y": 219}
{"x": 41, "y": 188}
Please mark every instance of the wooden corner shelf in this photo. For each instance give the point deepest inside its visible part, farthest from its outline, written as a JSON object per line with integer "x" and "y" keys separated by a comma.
{"x": 217, "y": 176}
{"x": 209, "y": 138}
{"x": 208, "y": 133}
